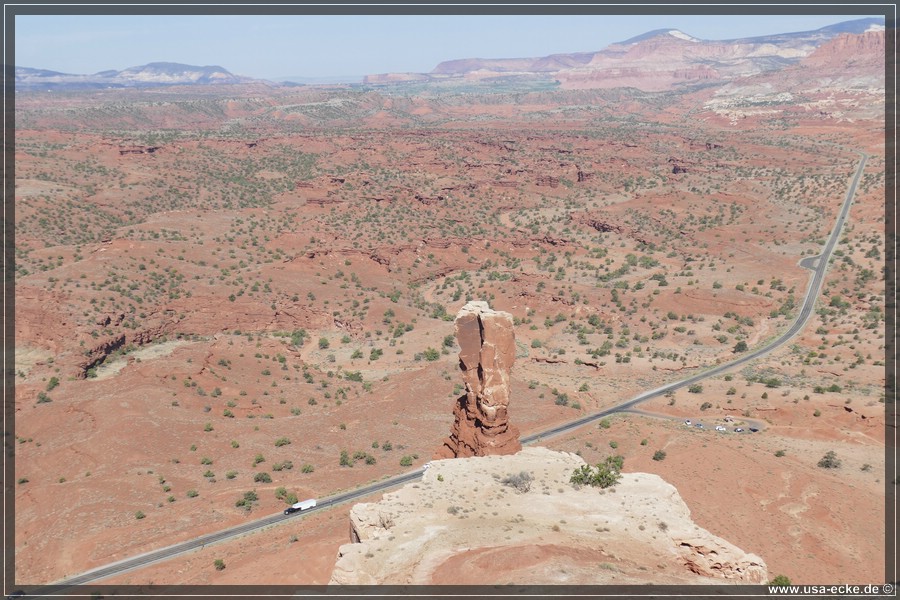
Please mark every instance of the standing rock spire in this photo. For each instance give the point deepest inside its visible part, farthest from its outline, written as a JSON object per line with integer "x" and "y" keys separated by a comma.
{"x": 487, "y": 351}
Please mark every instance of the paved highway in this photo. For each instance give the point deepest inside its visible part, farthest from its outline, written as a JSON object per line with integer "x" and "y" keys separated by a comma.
{"x": 818, "y": 264}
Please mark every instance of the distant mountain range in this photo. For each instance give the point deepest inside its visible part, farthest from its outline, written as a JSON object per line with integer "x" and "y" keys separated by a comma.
{"x": 152, "y": 74}
{"x": 657, "y": 60}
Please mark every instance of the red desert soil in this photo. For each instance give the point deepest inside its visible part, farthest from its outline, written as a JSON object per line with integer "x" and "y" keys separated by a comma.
{"x": 283, "y": 294}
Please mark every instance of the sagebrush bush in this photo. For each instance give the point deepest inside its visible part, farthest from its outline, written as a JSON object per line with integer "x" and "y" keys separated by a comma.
{"x": 520, "y": 481}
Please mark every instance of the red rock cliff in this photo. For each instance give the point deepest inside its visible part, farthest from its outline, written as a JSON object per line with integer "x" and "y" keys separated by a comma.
{"x": 850, "y": 49}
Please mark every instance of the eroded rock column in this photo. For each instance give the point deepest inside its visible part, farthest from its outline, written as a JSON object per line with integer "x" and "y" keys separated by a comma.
{"x": 487, "y": 351}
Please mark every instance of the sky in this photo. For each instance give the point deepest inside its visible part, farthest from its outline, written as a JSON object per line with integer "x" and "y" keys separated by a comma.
{"x": 274, "y": 47}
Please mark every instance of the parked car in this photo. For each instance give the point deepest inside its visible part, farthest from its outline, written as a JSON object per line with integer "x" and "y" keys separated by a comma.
{"x": 699, "y": 425}
{"x": 687, "y": 422}
{"x": 720, "y": 428}
{"x": 753, "y": 430}
{"x": 738, "y": 429}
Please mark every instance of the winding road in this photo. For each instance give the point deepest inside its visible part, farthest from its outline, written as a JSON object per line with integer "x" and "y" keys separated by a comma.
{"x": 818, "y": 264}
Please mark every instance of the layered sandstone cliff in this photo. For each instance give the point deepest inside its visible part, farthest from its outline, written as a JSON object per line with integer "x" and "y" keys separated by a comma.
{"x": 462, "y": 525}
{"x": 487, "y": 351}
{"x": 850, "y": 50}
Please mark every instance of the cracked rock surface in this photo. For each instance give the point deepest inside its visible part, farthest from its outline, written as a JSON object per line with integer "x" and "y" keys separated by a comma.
{"x": 487, "y": 350}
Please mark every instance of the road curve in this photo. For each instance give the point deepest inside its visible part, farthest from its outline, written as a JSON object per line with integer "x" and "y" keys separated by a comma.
{"x": 819, "y": 265}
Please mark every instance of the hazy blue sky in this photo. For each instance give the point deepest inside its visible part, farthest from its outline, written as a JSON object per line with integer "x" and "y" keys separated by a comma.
{"x": 319, "y": 46}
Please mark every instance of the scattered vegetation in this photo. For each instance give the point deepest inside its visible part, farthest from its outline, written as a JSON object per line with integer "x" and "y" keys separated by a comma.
{"x": 248, "y": 500}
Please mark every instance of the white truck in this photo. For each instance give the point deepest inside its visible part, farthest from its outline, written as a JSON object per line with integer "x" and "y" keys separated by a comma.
{"x": 303, "y": 505}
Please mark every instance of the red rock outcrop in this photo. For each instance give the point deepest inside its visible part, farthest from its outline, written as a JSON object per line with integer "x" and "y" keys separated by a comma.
{"x": 848, "y": 50}
{"x": 547, "y": 181}
{"x": 138, "y": 150}
{"x": 487, "y": 351}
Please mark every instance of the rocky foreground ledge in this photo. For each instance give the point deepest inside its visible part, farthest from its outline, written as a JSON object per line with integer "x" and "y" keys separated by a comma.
{"x": 462, "y": 525}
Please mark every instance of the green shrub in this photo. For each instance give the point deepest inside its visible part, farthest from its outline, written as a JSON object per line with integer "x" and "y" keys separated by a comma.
{"x": 139, "y": 515}
{"x": 829, "y": 461}
{"x": 282, "y": 441}
{"x": 603, "y": 475}
{"x": 406, "y": 461}
{"x": 262, "y": 478}
{"x": 219, "y": 564}
{"x": 248, "y": 499}
{"x": 659, "y": 455}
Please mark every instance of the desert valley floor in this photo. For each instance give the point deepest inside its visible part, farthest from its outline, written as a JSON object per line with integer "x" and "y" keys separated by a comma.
{"x": 219, "y": 292}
